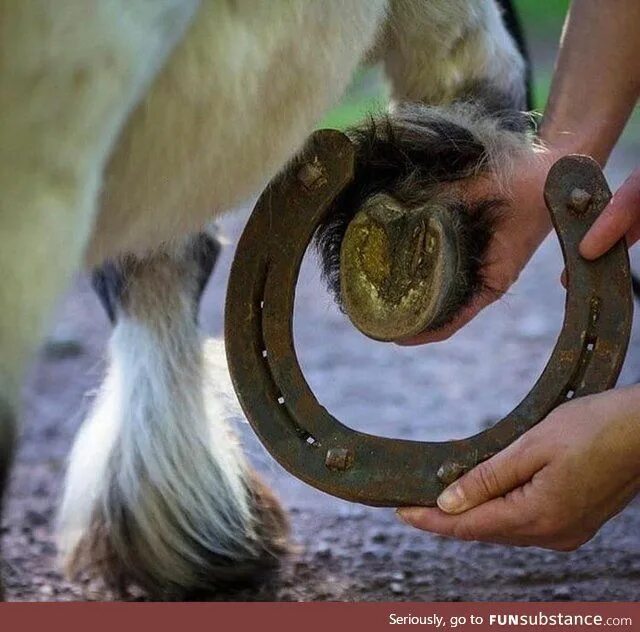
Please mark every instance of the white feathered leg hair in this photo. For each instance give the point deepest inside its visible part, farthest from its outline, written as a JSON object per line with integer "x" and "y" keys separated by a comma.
{"x": 158, "y": 493}
{"x": 71, "y": 74}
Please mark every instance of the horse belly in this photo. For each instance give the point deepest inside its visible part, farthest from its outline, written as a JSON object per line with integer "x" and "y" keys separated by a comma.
{"x": 235, "y": 101}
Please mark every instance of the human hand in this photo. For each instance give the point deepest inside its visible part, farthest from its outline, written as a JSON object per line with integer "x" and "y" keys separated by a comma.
{"x": 555, "y": 486}
{"x": 520, "y": 230}
{"x": 621, "y": 218}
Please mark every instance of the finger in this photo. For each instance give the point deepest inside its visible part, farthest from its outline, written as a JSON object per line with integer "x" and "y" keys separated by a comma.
{"x": 621, "y": 214}
{"x": 502, "y": 473}
{"x": 502, "y": 520}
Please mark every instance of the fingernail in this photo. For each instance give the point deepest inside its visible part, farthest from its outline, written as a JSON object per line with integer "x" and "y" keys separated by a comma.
{"x": 586, "y": 249}
{"x": 452, "y": 499}
{"x": 583, "y": 250}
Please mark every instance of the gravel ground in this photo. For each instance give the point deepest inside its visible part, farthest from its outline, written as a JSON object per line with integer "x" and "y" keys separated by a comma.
{"x": 346, "y": 552}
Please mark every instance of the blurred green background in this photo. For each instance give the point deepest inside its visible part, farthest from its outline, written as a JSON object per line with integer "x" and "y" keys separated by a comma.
{"x": 542, "y": 21}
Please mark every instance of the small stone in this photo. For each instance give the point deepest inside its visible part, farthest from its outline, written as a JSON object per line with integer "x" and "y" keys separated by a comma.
{"x": 323, "y": 551}
{"x": 95, "y": 586}
{"x": 371, "y": 554}
{"x": 35, "y": 518}
{"x": 428, "y": 579}
{"x": 379, "y": 537}
{"x": 48, "y": 548}
{"x": 397, "y": 588}
{"x": 562, "y": 593}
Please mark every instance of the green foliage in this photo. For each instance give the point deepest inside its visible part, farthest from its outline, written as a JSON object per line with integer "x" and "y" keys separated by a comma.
{"x": 540, "y": 15}
{"x": 350, "y": 112}
{"x": 541, "y": 85}
{"x": 367, "y": 95}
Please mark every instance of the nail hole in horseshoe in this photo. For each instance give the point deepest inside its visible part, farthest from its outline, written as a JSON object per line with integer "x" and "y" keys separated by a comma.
{"x": 305, "y": 436}
{"x": 312, "y": 441}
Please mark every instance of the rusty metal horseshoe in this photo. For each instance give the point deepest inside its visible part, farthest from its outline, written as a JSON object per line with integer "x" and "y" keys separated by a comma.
{"x": 313, "y": 445}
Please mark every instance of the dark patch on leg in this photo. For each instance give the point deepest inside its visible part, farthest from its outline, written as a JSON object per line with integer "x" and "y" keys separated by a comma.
{"x": 110, "y": 280}
{"x": 205, "y": 251}
{"x": 512, "y": 22}
{"x": 107, "y": 282}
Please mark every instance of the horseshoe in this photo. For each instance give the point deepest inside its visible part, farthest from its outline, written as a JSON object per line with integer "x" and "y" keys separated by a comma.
{"x": 312, "y": 444}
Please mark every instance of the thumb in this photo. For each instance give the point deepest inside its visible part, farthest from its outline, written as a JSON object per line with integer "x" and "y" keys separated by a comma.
{"x": 495, "y": 477}
{"x": 617, "y": 219}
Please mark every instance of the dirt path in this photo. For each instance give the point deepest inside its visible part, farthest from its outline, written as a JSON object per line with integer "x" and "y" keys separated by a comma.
{"x": 347, "y": 552}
